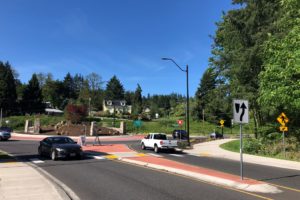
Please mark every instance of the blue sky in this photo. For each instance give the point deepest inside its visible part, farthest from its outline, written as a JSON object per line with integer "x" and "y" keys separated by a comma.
{"x": 126, "y": 38}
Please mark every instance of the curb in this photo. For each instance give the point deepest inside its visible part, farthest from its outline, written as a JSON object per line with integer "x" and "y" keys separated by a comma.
{"x": 260, "y": 188}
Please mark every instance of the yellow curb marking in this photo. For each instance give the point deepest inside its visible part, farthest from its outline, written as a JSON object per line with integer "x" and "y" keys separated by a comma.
{"x": 141, "y": 154}
{"x": 204, "y": 154}
{"x": 111, "y": 157}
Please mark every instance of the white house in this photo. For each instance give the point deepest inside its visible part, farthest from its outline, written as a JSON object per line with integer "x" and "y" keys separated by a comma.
{"x": 118, "y": 105}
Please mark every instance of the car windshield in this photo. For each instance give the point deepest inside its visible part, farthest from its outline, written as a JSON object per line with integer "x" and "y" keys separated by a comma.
{"x": 62, "y": 140}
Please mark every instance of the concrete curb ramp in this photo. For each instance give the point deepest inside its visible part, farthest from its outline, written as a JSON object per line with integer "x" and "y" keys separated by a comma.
{"x": 246, "y": 185}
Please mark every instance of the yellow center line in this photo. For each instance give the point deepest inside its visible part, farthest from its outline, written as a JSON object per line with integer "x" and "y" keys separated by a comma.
{"x": 285, "y": 187}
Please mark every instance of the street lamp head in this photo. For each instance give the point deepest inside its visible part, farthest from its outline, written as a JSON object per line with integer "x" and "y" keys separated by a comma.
{"x": 166, "y": 58}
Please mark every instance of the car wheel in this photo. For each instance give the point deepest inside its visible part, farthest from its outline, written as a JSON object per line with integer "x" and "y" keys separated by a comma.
{"x": 53, "y": 155}
{"x": 143, "y": 146}
{"x": 156, "y": 149}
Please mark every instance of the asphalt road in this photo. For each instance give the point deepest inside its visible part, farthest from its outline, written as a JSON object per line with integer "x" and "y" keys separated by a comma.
{"x": 106, "y": 179}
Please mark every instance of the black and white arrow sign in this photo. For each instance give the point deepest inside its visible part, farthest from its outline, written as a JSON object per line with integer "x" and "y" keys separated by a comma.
{"x": 241, "y": 111}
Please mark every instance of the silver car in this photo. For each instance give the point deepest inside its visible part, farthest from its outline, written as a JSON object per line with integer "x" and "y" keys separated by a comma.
{"x": 5, "y": 133}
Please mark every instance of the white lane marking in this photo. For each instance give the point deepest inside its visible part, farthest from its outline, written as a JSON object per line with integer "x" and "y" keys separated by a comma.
{"x": 176, "y": 155}
{"x": 153, "y": 154}
{"x": 98, "y": 157}
{"x": 36, "y": 161}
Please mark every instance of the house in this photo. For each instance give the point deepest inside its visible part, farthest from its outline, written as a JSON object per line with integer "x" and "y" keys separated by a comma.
{"x": 118, "y": 105}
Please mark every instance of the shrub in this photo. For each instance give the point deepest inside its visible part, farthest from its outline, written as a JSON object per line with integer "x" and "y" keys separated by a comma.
{"x": 76, "y": 113}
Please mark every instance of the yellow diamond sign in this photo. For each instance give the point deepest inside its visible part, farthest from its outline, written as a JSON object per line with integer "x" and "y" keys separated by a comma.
{"x": 222, "y": 121}
{"x": 282, "y": 119}
{"x": 283, "y": 128}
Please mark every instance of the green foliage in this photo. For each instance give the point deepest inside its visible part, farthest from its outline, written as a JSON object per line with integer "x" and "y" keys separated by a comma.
{"x": 114, "y": 89}
{"x": 137, "y": 104}
{"x": 8, "y": 93}
{"x": 279, "y": 82}
{"x": 32, "y": 101}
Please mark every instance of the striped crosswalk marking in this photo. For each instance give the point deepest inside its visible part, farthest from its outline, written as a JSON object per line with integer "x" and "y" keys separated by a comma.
{"x": 99, "y": 157}
{"x": 176, "y": 155}
{"x": 36, "y": 161}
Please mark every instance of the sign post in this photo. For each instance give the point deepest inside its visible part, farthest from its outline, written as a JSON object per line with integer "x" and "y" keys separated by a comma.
{"x": 241, "y": 116}
{"x": 222, "y": 125}
{"x": 283, "y": 120}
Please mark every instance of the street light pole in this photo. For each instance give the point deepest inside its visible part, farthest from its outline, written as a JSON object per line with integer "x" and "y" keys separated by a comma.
{"x": 187, "y": 105}
{"x": 187, "y": 113}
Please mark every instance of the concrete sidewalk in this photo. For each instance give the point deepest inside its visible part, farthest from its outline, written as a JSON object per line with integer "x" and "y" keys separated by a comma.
{"x": 212, "y": 149}
{"x": 19, "y": 180}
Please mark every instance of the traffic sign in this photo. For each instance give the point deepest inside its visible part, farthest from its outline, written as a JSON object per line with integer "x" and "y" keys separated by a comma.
{"x": 241, "y": 111}
{"x": 137, "y": 123}
{"x": 282, "y": 119}
{"x": 283, "y": 128}
{"x": 222, "y": 122}
{"x": 180, "y": 122}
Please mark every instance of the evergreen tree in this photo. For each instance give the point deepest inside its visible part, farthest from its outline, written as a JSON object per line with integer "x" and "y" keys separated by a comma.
{"x": 32, "y": 101}
{"x": 69, "y": 87}
{"x": 137, "y": 106}
{"x": 207, "y": 85}
{"x": 114, "y": 89}
{"x": 8, "y": 95}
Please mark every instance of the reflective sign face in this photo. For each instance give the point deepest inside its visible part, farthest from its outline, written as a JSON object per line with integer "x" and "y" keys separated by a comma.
{"x": 282, "y": 119}
{"x": 283, "y": 128}
{"x": 180, "y": 122}
{"x": 241, "y": 111}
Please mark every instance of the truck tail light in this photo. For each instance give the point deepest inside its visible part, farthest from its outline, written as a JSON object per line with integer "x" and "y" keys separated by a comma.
{"x": 161, "y": 142}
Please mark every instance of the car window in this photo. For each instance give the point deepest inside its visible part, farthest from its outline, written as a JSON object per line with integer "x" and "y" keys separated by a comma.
{"x": 62, "y": 140}
{"x": 160, "y": 137}
{"x": 7, "y": 129}
{"x": 147, "y": 137}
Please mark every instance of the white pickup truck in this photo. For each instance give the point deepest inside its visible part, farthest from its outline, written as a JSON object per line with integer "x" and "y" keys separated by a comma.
{"x": 158, "y": 141}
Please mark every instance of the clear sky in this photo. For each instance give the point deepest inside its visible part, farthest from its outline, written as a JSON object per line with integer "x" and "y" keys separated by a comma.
{"x": 126, "y": 38}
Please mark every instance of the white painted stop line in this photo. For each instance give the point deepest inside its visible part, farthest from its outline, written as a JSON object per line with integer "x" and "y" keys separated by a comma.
{"x": 98, "y": 157}
{"x": 176, "y": 155}
{"x": 36, "y": 161}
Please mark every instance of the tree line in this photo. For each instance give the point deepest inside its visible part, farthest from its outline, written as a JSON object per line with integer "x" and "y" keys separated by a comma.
{"x": 18, "y": 98}
{"x": 255, "y": 56}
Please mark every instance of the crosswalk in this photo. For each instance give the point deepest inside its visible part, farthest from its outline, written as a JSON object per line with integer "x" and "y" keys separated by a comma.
{"x": 36, "y": 160}
{"x": 113, "y": 157}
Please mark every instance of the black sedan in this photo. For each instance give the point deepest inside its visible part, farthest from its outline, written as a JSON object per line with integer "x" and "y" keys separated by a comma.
{"x": 60, "y": 147}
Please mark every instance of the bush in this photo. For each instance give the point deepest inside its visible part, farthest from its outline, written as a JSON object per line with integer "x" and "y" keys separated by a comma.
{"x": 76, "y": 113}
{"x": 252, "y": 146}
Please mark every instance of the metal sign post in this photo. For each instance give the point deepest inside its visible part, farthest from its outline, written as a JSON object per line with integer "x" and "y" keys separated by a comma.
{"x": 241, "y": 116}
{"x": 283, "y": 144}
{"x": 283, "y": 120}
{"x": 241, "y": 152}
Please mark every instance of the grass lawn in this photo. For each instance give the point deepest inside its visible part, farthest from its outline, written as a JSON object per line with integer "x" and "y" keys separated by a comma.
{"x": 234, "y": 146}
{"x": 231, "y": 146}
